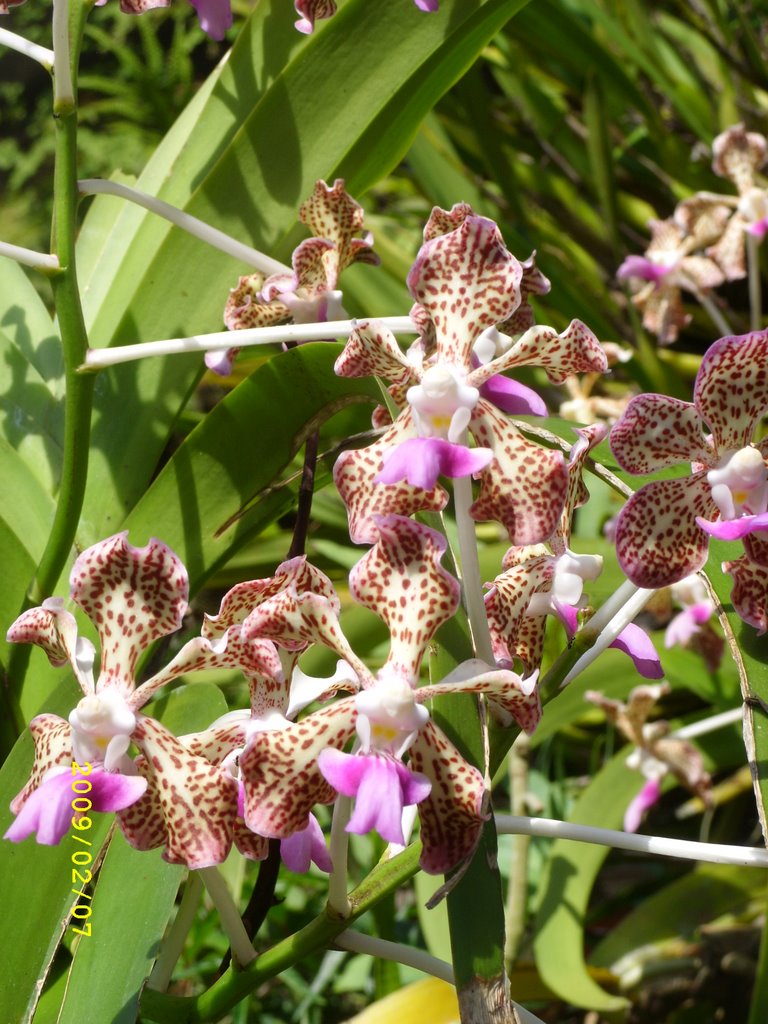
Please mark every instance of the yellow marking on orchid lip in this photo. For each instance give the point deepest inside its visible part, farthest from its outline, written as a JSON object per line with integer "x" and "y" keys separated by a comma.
{"x": 441, "y": 422}
{"x": 740, "y": 497}
{"x": 384, "y": 732}
{"x": 101, "y": 742}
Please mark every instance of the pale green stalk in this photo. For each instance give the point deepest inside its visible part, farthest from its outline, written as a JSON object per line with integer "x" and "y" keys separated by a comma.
{"x": 63, "y": 86}
{"x": 242, "y": 950}
{"x": 173, "y": 944}
{"x": 517, "y": 886}
{"x": 338, "y": 900}
{"x": 192, "y": 225}
{"x": 470, "y": 571}
{"x": 44, "y": 261}
{"x": 710, "y": 853}
{"x": 220, "y": 341}
{"x": 710, "y": 724}
{"x": 21, "y": 45}
{"x": 383, "y": 949}
{"x": 755, "y": 285}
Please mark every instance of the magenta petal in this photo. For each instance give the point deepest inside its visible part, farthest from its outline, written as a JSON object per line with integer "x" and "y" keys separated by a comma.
{"x": 734, "y": 529}
{"x": 569, "y": 616}
{"x": 512, "y": 397}
{"x": 220, "y": 362}
{"x": 639, "y": 807}
{"x": 299, "y": 850}
{"x": 427, "y": 5}
{"x": 114, "y": 792}
{"x": 759, "y": 229}
{"x": 47, "y": 811}
{"x": 635, "y": 642}
{"x": 215, "y": 17}
{"x": 642, "y": 268}
{"x": 343, "y": 771}
{"x": 421, "y": 460}
{"x": 685, "y": 625}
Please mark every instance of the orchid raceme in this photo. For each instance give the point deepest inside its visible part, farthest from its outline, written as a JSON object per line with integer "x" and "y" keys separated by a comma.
{"x": 663, "y": 531}
{"x": 215, "y": 16}
{"x": 310, "y": 293}
{"x": 465, "y": 283}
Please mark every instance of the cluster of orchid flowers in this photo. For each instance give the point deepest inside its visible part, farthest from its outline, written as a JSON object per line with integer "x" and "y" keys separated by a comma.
{"x": 708, "y": 241}
{"x": 367, "y": 735}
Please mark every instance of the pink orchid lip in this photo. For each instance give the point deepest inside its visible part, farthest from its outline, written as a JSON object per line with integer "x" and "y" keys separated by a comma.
{"x": 734, "y": 529}
{"x": 421, "y": 460}
{"x": 635, "y": 642}
{"x": 649, "y": 795}
{"x": 512, "y": 397}
{"x": 644, "y": 269}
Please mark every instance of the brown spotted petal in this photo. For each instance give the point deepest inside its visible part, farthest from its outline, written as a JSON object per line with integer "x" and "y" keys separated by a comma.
{"x": 332, "y": 214}
{"x": 245, "y": 308}
{"x": 354, "y": 475}
{"x": 507, "y": 600}
{"x": 140, "y": 6}
{"x": 750, "y": 592}
{"x": 525, "y": 485}
{"x": 467, "y": 281}
{"x": 454, "y": 812}
{"x": 54, "y": 629}
{"x": 218, "y": 742}
{"x": 663, "y": 312}
{"x": 731, "y": 389}
{"x": 442, "y": 222}
{"x": 631, "y": 717}
{"x": 133, "y": 596}
{"x": 737, "y": 154}
{"x": 53, "y": 747}
{"x": 657, "y": 539}
{"x": 528, "y": 644}
{"x": 533, "y": 283}
{"x": 575, "y": 350}
{"x": 372, "y": 351}
{"x": 190, "y": 805}
{"x": 511, "y": 697}
{"x": 656, "y": 432}
{"x": 258, "y": 660}
{"x": 402, "y": 581}
{"x": 280, "y": 773}
{"x": 577, "y": 493}
{"x": 729, "y": 252}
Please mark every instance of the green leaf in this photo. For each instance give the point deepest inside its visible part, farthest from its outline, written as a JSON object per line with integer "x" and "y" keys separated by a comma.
{"x": 565, "y": 886}
{"x": 25, "y": 321}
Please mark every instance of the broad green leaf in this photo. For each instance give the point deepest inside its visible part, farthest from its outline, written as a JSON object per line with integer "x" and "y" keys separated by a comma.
{"x": 239, "y": 450}
{"x": 133, "y": 898}
{"x": 565, "y": 887}
{"x": 18, "y": 568}
{"x": 26, "y": 322}
{"x": 24, "y": 505}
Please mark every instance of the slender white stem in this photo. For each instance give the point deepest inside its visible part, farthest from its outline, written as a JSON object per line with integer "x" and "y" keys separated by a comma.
{"x": 220, "y": 341}
{"x": 63, "y": 89}
{"x": 711, "y": 853}
{"x": 337, "y": 883}
{"x": 21, "y": 45}
{"x": 755, "y": 290}
{"x": 356, "y": 942}
{"x": 715, "y": 315}
{"x": 710, "y": 724}
{"x": 185, "y": 221}
{"x": 609, "y": 632}
{"x": 30, "y": 258}
{"x": 608, "y": 609}
{"x": 173, "y": 944}
{"x": 242, "y": 950}
{"x": 470, "y": 570}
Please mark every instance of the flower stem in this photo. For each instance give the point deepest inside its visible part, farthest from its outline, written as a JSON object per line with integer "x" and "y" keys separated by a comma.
{"x": 383, "y": 949}
{"x": 710, "y": 853}
{"x": 755, "y": 289}
{"x": 470, "y": 570}
{"x": 44, "y": 261}
{"x": 162, "y": 972}
{"x": 242, "y": 950}
{"x": 338, "y": 900}
{"x": 63, "y": 87}
{"x": 21, "y": 45}
{"x": 192, "y": 225}
{"x": 517, "y": 886}
{"x": 710, "y": 724}
{"x": 220, "y": 341}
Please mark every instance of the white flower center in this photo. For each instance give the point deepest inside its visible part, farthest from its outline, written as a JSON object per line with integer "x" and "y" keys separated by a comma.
{"x": 388, "y": 717}
{"x": 571, "y": 570}
{"x": 753, "y": 205}
{"x": 740, "y": 484}
{"x": 102, "y": 724}
{"x": 442, "y": 403}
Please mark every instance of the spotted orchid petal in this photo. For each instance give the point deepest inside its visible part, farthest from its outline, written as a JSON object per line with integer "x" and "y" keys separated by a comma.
{"x": 372, "y": 351}
{"x": 511, "y": 697}
{"x": 190, "y": 805}
{"x": 737, "y": 154}
{"x": 635, "y": 642}
{"x": 381, "y": 785}
{"x": 280, "y": 772}
{"x": 355, "y": 473}
{"x": 575, "y": 350}
{"x": 54, "y": 629}
{"x": 420, "y": 461}
{"x": 312, "y": 11}
{"x": 215, "y": 17}
{"x": 731, "y": 389}
{"x": 240, "y": 601}
{"x": 400, "y": 579}
{"x": 53, "y": 749}
{"x": 305, "y": 847}
{"x": 454, "y": 812}
{"x": 467, "y": 281}
{"x": 507, "y": 601}
{"x": 750, "y": 592}
{"x": 442, "y": 222}
{"x": 133, "y": 596}
{"x": 656, "y": 432}
{"x": 332, "y": 214}
{"x": 524, "y": 487}
{"x": 246, "y": 307}
{"x": 658, "y": 541}
{"x": 577, "y": 493}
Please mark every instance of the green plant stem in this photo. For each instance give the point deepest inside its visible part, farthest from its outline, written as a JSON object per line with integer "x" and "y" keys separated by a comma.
{"x": 234, "y": 986}
{"x": 755, "y": 289}
{"x": 174, "y": 941}
{"x": 470, "y": 571}
{"x": 243, "y": 952}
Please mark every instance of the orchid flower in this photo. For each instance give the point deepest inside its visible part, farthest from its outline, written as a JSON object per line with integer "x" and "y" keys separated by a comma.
{"x": 662, "y": 533}
{"x": 286, "y": 771}
{"x": 538, "y": 581}
{"x": 311, "y": 11}
{"x": 310, "y": 292}
{"x": 656, "y": 754}
{"x": 671, "y": 264}
{"x": 691, "y": 627}
{"x": 465, "y": 283}
{"x": 750, "y": 592}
